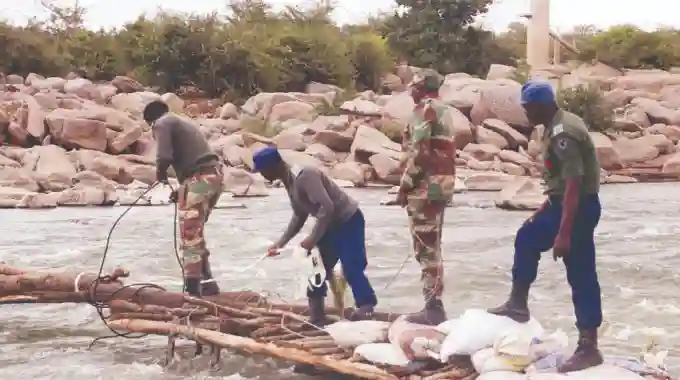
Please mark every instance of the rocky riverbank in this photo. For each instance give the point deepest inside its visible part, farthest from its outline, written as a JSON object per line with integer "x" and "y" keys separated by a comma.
{"x": 71, "y": 142}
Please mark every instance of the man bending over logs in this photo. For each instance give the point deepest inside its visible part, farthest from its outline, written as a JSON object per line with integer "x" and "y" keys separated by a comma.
{"x": 199, "y": 172}
{"x": 566, "y": 222}
{"x": 426, "y": 188}
{"x": 339, "y": 232}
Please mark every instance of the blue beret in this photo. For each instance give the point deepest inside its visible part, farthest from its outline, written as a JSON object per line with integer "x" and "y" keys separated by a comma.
{"x": 537, "y": 92}
{"x": 266, "y": 158}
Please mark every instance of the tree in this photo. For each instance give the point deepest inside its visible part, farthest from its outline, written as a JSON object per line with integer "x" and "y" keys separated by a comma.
{"x": 515, "y": 39}
{"x": 630, "y": 47}
{"x": 438, "y": 34}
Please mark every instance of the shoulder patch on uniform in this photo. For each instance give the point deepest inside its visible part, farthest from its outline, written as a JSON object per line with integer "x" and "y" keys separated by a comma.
{"x": 562, "y": 143}
{"x": 559, "y": 128}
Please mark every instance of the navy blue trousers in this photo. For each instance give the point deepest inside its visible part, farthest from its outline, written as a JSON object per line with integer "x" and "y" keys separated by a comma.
{"x": 346, "y": 242}
{"x": 538, "y": 236}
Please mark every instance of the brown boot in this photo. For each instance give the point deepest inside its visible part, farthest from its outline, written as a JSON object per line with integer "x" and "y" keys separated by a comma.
{"x": 516, "y": 307}
{"x": 586, "y": 355}
{"x": 317, "y": 311}
{"x": 433, "y": 314}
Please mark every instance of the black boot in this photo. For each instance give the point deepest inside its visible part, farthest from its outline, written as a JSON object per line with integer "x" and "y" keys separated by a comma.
{"x": 516, "y": 307}
{"x": 193, "y": 287}
{"x": 317, "y": 311}
{"x": 433, "y": 314}
{"x": 209, "y": 287}
{"x": 362, "y": 313}
{"x": 586, "y": 355}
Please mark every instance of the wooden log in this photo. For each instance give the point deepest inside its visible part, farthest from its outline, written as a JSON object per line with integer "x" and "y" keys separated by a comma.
{"x": 294, "y": 335}
{"x": 216, "y": 309}
{"x": 455, "y": 373}
{"x": 58, "y": 287}
{"x": 7, "y": 270}
{"x": 324, "y": 351}
{"x": 267, "y": 331}
{"x": 8, "y": 300}
{"x": 147, "y": 316}
{"x": 314, "y": 340}
{"x": 280, "y": 313}
{"x": 308, "y": 345}
{"x": 362, "y": 371}
{"x": 257, "y": 322}
{"x": 304, "y": 310}
{"x": 53, "y": 287}
{"x": 439, "y": 370}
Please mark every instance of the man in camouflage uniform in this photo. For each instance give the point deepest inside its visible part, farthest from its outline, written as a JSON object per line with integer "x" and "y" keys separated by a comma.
{"x": 565, "y": 222}
{"x": 199, "y": 171}
{"x": 426, "y": 188}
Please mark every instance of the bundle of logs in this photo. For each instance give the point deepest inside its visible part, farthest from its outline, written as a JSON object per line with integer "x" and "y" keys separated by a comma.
{"x": 241, "y": 321}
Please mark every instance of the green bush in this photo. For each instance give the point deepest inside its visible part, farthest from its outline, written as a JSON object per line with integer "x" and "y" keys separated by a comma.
{"x": 257, "y": 126}
{"x": 392, "y": 129}
{"x": 621, "y": 46}
{"x": 254, "y": 49}
{"x": 588, "y": 102}
{"x": 630, "y": 47}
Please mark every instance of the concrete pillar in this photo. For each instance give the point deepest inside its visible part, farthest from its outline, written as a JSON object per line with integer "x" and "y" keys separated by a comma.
{"x": 557, "y": 52}
{"x": 538, "y": 35}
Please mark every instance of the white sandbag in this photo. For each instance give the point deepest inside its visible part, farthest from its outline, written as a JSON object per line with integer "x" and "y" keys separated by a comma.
{"x": 502, "y": 375}
{"x": 518, "y": 347}
{"x": 513, "y": 347}
{"x": 477, "y": 329}
{"x": 515, "y": 350}
{"x": 381, "y": 353}
{"x": 548, "y": 344}
{"x": 486, "y": 360}
{"x": 447, "y": 326}
{"x": 601, "y": 372}
{"x": 415, "y": 340}
{"x": 642, "y": 368}
{"x": 550, "y": 362}
{"x": 355, "y": 333}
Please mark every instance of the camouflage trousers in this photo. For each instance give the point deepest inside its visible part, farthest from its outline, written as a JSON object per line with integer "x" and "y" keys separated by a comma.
{"x": 197, "y": 197}
{"x": 426, "y": 220}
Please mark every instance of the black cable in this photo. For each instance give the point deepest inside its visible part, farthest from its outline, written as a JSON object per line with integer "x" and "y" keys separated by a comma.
{"x": 92, "y": 289}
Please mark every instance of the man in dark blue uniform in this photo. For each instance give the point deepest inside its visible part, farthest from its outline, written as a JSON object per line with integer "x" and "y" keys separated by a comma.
{"x": 565, "y": 223}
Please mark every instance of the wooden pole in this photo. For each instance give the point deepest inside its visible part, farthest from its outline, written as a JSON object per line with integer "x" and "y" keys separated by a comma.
{"x": 362, "y": 371}
{"x": 18, "y": 286}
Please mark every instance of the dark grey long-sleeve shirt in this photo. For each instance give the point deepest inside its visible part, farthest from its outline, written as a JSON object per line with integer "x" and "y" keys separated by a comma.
{"x": 182, "y": 145}
{"x": 312, "y": 192}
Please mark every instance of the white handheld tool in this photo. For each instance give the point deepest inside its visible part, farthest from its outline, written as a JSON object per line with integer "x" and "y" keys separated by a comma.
{"x": 318, "y": 276}
{"x": 312, "y": 259}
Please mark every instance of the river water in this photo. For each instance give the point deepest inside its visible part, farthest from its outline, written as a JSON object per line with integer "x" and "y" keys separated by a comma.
{"x": 638, "y": 254}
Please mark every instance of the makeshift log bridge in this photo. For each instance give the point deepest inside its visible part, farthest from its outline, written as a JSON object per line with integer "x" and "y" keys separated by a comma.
{"x": 242, "y": 321}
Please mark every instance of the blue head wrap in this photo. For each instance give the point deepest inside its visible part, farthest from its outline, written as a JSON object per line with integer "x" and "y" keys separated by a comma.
{"x": 266, "y": 158}
{"x": 537, "y": 92}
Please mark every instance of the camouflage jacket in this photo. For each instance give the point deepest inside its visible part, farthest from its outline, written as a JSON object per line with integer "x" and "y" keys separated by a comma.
{"x": 430, "y": 169}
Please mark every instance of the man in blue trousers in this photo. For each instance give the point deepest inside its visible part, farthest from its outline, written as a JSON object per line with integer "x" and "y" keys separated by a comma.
{"x": 566, "y": 222}
{"x": 339, "y": 232}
